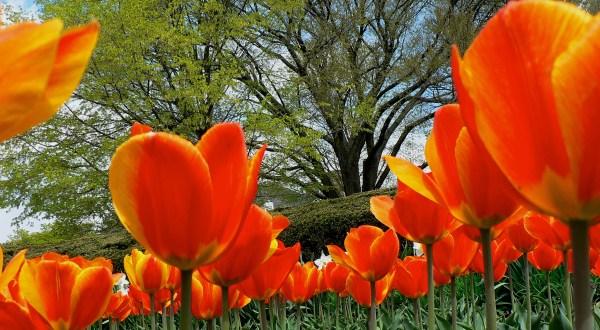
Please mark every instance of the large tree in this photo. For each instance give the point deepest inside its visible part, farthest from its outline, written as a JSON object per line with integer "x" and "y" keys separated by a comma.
{"x": 339, "y": 83}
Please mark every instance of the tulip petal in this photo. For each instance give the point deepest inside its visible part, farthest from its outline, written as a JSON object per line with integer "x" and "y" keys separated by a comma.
{"x": 162, "y": 192}
{"x": 28, "y": 52}
{"x": 576, "y": 82}
{"x": 486, "y": 207}
{"x": 224, "y": 149}
{"x": 540, "y": 228}
{"x": 415, "y": 178}
{"x": 15, "y": 317}
{"x": 340, "y": 257}
{"x": 74, "y": 51}
{"x": 11, "y": 270}
{"x": 514, "y": 111}
{"x": 91, "y": 293}
{"x": 382, "y": 208}
{"x": 47, "y": 288}
{"x": 441, "y": 157}
{"x": 384, "y": 253}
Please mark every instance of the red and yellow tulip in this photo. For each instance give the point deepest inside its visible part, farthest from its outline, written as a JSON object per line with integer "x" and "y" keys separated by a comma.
{"x": 185, "y": 203}
{"x": 64, "y": 294}
{"x": 301, "y": 284}
{"x": 371, "y": 252}
{"x": 145, "y": 271}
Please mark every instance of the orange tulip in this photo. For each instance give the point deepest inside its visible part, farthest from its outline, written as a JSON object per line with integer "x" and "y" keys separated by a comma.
{"x": 140, "y": 301}
{"x": 207, "y": 298}
{"x": 360, "y": 289}
{"x": 507, "y": 251}
{"x": 41, "y": 65}
{"x": 453, "y": 254}
{"x": 596, "y": 267}
{"x": 537, "y": 116}
{"x": 439, "y": 278}
{"x": 545, "y": 258}
{"x": 255, "y": 244}
{"x": 185, "y": 203}
{"x": 145, "y": 271}
{"x": 173, "y": 282}
{"x": 118, "y": 308}
{"x": 548, "y": 230}
{"x": 595, "y": 237}
{"x": 520, "y": 238}
{"x": 266, "y": 280}
{"x": 410, "y": 277}
{"x": 461, "y": 174}
{"x": 64, "y": 294}
{"x": 301, "y": 284}
{"x": 500, "y": 266}
{"x": 335, "y": 278}
{"x": 413, "y": 216}
{"x": 371, "y": 252}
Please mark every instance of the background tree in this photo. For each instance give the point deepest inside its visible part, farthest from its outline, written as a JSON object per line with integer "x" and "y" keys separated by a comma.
{"x": 337, "y": 84}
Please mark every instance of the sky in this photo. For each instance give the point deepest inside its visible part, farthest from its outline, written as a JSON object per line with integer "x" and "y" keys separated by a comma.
{"x": 27, "y": 5}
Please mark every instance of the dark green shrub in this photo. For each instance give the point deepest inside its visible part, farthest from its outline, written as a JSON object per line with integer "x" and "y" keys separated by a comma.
{"x": 319, "y": 223}
{"x": 314, "y": 225}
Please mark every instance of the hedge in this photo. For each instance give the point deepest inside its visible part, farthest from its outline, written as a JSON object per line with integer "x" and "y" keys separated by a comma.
{"x": 314, "y": 225}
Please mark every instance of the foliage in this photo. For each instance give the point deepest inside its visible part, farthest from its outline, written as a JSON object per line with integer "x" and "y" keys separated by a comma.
{"x": 115, "y": 246}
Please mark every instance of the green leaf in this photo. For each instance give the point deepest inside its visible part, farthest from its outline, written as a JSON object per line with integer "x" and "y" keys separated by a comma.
{"x": 560, "y": 322}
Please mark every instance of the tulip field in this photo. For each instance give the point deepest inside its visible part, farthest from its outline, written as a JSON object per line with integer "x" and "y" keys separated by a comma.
{"x": 506, "y": 214}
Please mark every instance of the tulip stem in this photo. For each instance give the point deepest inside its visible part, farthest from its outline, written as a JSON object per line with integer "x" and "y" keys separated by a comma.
{"x": 186, "y": 299}
{"x": 454, "y": 305}
{"x": 373, "y": 310}
{"x": 549, "y": 293}
{"x": 417, "y": 312}
{"x": 225, "y": 306}
{"x": 528, "y": 291}
{"x": 298, "y": 317}
{"x": 430, "y": 287}
{"x": 164, "y": 315}
{"x": 568, "y": 293}
{"x": 152, "y": 313}
{"x": 272, "y": 311}
{"x": 262, "y": 307}
{"x": 488, "y": 266}
{"x": 581, "y": 276}
{"x": 171, "y": 308}
{"x": 472, "y": 299}
{"x": 337, "y": 311}
{"x": 511, "y": 289}
{"x": 442, "y": 307}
